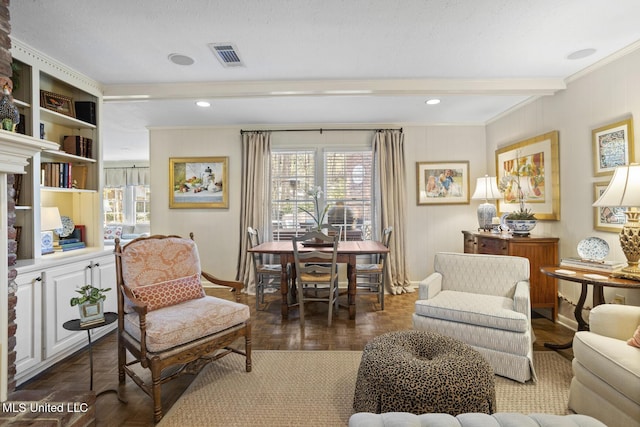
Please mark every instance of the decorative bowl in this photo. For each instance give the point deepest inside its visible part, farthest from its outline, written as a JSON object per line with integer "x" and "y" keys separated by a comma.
{"x": 521, "y": 226}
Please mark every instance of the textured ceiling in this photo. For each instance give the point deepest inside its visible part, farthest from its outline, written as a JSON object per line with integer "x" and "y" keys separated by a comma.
{"x": 315, "y": 62}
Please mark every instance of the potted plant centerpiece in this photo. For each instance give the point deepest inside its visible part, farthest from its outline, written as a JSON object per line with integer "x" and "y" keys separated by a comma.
{"x": 90, "y": 304}
{"x": 523, "y": 220}
{"x": 318, "y": 215}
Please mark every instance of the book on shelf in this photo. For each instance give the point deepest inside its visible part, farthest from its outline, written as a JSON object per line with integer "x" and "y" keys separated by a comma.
{"x": 604, "y": 265}
{"x": 68, "y": 246}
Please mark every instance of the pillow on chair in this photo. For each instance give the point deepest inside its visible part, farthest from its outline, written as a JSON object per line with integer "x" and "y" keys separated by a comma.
{"x": 634, "y": 341}
{"x": 171, "y": 292}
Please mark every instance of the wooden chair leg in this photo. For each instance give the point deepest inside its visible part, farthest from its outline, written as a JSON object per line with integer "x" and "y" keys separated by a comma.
{"x": 156, "y": 392}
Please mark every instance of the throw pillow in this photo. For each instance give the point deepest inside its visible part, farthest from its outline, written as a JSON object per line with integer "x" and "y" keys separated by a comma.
{"x": 171, "y": 292}
{"x": 112, "y": 231}
{"x": 634, "y": 341}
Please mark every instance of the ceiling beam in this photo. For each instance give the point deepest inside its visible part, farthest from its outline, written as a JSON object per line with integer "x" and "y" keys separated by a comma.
{"x": 394, "y": 87}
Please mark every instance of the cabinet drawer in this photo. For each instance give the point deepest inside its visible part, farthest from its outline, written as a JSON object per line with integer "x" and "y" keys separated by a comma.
{"x": 492, "y": 246}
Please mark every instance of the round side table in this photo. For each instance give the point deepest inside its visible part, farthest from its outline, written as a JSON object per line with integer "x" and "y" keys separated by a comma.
{"x": 74, "y": 325}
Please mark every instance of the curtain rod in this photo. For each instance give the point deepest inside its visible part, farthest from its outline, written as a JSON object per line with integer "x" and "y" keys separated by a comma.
{"x": 242, "y": 131}
{"x": 129, "y": 167}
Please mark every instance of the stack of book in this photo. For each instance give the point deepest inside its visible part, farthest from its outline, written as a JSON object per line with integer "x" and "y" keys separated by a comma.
{"x": 602, "y": 265}
{"x": 68, "y": 244}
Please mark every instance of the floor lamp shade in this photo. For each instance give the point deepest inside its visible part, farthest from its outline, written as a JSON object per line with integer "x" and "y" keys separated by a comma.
{"x": 486, "y": 189}
{"x": 624, "y": 190}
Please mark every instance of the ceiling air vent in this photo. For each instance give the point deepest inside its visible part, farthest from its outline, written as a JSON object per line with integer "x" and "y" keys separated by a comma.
{"x": 227, "y": 54}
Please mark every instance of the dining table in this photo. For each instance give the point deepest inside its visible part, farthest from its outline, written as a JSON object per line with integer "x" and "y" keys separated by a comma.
{"x": 348, "y": 251}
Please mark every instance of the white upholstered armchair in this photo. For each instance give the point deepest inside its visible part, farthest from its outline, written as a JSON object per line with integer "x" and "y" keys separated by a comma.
{"x": 606, "y": 370}
{"x": 482, "y": 300}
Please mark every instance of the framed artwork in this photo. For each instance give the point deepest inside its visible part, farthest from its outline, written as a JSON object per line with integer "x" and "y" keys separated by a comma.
{"x": 58, "y": 103}
{"x": 198, "y": 182}
{"x": 607, "y": 218}
{"x": 535, "y": 165}
{"x": 612, "y": 146}
{"x": 442, "y": 183}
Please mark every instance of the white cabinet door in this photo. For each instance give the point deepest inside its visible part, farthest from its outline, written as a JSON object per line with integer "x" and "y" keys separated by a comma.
{"x": 60, "y": 284}
{"x": 103, "y": 273}
{"x": 29, "y": 322}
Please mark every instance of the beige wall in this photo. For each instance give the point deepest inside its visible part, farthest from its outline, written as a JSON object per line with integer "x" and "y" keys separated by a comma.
{"x": 432, "y": 228}
{"x": 603, "y": 96}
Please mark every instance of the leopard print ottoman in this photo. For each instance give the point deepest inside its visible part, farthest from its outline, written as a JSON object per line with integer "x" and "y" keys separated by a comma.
{"x": 423, "y": 372}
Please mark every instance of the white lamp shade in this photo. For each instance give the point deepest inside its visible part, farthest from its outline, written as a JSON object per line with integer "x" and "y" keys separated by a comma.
{"x": 50, "y": 218}
{"x": 624, "y": 188}
{"x": 486, "y": 188}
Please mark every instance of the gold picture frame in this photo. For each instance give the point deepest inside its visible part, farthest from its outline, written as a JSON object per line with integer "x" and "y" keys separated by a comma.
{"x": 199, "y": 182}
{"x": 607, "y": 218}
{"x": 612, "y": 146}
{"x": 442, "y": 183}
{"x": 535, "y": 162}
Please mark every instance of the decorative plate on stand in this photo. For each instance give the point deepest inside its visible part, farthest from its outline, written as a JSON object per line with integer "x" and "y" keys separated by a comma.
{"x": 593, "y": 249}
{"x": 67, "y": 227}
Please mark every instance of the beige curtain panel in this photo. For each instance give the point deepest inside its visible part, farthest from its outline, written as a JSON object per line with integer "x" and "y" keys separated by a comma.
{"x": 388, "y": 148}
{"x": 255, "y": 198}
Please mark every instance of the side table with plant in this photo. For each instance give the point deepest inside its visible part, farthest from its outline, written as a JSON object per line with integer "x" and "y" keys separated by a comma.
{"x": 90, "y": 303}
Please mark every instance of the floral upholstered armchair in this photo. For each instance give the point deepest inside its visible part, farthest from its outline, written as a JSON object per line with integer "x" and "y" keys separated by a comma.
{"x": 165, "y": 318}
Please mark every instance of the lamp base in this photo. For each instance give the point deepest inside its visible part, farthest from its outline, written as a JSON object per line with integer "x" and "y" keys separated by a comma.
{"x": 631, "y": 273}
{"x": 486, "y": 212}
{"x": 630, "y": 243}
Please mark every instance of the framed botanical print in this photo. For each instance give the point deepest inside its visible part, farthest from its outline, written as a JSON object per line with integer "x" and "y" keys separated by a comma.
{"x": 612, "y": 146}
{"x": 442, "y": 183}
{"x": 532, "y": 170}
{"x": 198, "y": 182}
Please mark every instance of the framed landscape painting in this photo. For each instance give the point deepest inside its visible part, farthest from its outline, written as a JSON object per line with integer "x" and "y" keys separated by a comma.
{"x": 198, "y": 182}
{"x": 612, "y": 146}
{"x": 442, "y": 183}
{"x": 530, "y": 168}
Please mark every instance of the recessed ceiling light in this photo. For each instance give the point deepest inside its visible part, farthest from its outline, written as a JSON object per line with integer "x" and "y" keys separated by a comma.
{"x": 203, "y": 104}
{"x": 179, "y": 59}
{"x": 579, "y": 54}
{"x": 433, "y": 101}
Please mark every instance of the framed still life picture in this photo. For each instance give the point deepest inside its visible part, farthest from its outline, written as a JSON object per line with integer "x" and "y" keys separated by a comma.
{"x": 442, "y": 183}
{"x": 612, "y": 146}
{"x": 607, "y": 218}
{"x": 198, "y": 182}
{"x": 529, "y": 170}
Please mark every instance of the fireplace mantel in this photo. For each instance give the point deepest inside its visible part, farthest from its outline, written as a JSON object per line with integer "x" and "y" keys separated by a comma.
{"x": 15, "y": 152}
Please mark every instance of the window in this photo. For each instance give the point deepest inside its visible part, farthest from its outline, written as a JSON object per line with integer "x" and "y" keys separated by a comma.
{"x": 345, "y": 177}
{"x": 129, "y": 205}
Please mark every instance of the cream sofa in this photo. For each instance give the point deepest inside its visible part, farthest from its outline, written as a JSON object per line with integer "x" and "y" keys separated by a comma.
{"x": 606, "y": 381}
{"x": 499, "y": 419}
{"x": 126, "y": 233}
{"x": 484, "y": 301}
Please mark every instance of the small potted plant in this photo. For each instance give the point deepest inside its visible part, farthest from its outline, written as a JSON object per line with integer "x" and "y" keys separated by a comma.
{"x": 90, "y": 304}
{"x": 520, "y": 221}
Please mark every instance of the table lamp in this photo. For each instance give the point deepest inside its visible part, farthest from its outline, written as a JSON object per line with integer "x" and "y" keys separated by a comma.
{"x": 486, "y": 189}
{"x": 49, "y": 220}
{"x": 624, "y": 190}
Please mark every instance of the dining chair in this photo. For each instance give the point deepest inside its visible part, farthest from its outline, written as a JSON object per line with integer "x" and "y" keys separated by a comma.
{"x": 316, "y": 269}
{"x": 268, "y": 276}
{"x": 375, "y": 273}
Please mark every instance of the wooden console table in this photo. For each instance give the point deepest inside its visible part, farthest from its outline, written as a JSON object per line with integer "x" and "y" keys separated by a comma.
{"x": 540, "y": 250}
{"x": 585, "y": 277}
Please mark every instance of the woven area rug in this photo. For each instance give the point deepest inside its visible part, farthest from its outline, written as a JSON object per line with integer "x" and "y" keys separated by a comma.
{"x": 315, "y": 388}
